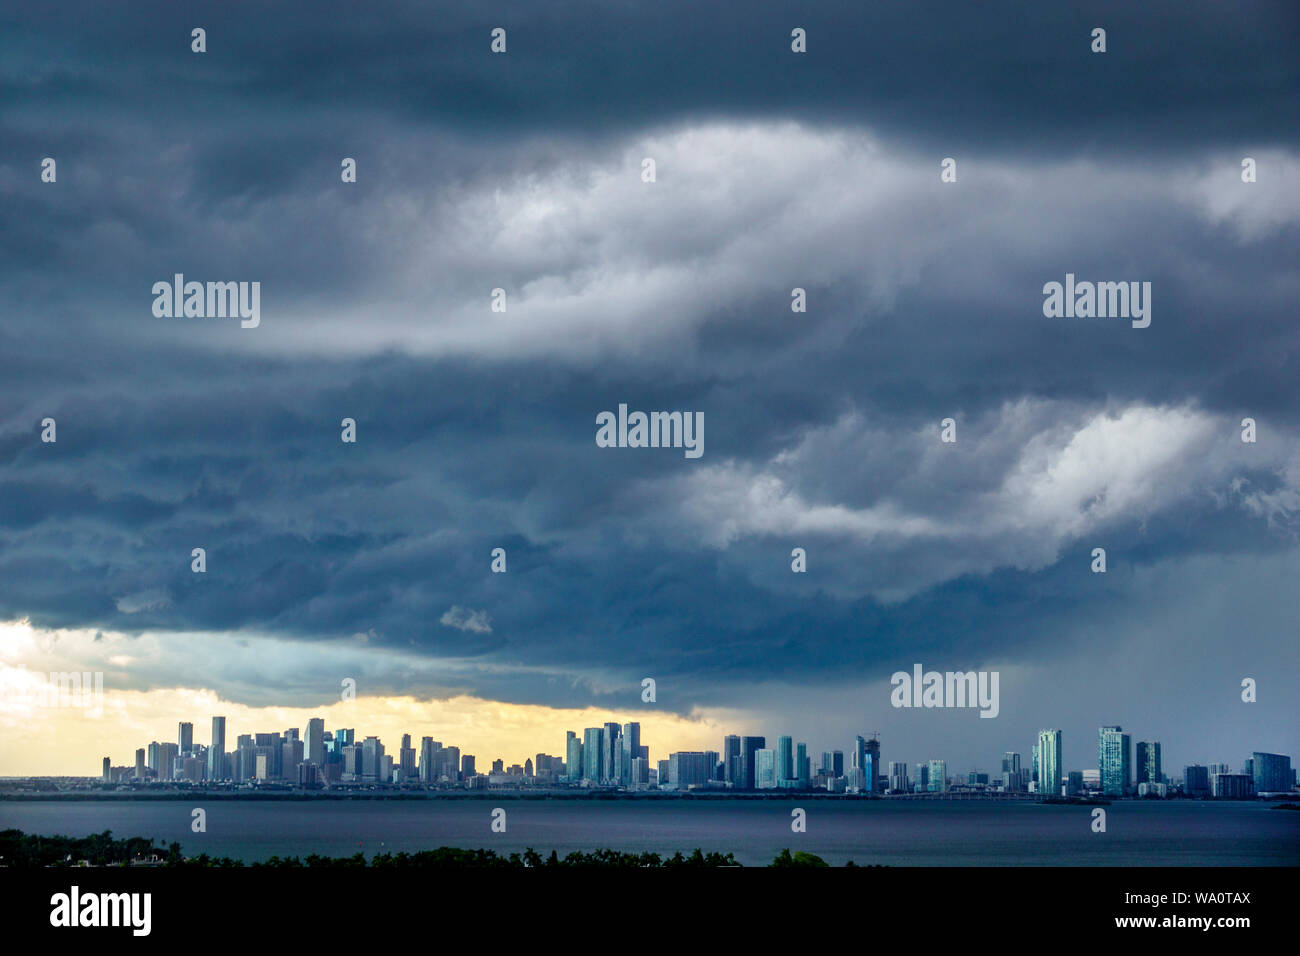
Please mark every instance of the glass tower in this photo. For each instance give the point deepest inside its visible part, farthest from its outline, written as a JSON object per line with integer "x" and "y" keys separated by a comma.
{"x": 1272, "y": 772}
{"x": 1148, "y": 762}
{"x": 784, "y": 759}
{"x": 217, "y": 752}
{"x": 1049, "y": 762}
{"x": 1113, "y": 761}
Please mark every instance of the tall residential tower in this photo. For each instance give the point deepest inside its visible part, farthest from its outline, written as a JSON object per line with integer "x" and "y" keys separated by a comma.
{"x": 1049, "y": 762}
{"x": 1114, "y": 762}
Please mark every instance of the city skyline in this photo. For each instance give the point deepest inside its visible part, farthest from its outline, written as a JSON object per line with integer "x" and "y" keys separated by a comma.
{"x": 1122, "y": 766}
{"x": 487, "y": 725}
{"x": 514, "y": 730}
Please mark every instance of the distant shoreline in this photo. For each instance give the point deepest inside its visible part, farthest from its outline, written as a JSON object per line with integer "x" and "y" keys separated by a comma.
{"x": 345, "y": 795}
{"x": 561, "y": 795}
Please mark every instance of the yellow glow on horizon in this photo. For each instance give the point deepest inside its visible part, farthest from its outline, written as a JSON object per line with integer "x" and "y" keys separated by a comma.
{"x": 44, "y": 737}
{"x": 68, "y": 741}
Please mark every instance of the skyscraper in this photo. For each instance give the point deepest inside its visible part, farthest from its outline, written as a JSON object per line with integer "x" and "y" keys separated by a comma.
{"x": 765, "y": 772}
{"x": 1012, "y": 778}
{"x": 1271, "y": 772}
{"x": 185, "y": 738}
{"x": 898, "y": 781}
{"x": 1148, "y": 762}
{"x": 1231, "y": 786}
{"x": 1196, "y": 781}
{"x": 784, "y": 760}
{"x": 406, "y": 759}
{"x": 243, "y": 762}
{"x": 428, "y": 751}
{"x": 593, "y": 744}
{"x": 164, "y": 760}
{"x": 873, "y": 753}
{"x": 748, "y": 747}
{"x": 731, "y": 764}
{"x": 629, "y": 750}
{"x": 290, "y": 757}
{"x": 690, "y": 768}
{"x": 572, "y": 755}
{"x": 609, "y": 752}
{"x": 352, "y": 763}
{"x": 271, "y": 746}
{"x": 314, "y": 749}
{"x": 938, "y": 777}
{"x": 217, "y": 750}
{"x": 1049, "y": 762}
{"x": 372, "y": 753}
{"x": 1114, "y": 761}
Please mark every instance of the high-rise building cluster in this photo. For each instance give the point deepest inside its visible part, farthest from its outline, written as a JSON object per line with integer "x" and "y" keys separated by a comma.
{"x": 1125, "y": 770}
{"x": 613, "y": 756}
{"x": 747, "y": 763}
{"x": 316, "y": 758}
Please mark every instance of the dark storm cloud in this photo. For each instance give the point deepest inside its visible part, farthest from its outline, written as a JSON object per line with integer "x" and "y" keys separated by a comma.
{"x": 1020, "y": 74}
{"x": 307, "y": 539}
{"x": 477, "y": 432}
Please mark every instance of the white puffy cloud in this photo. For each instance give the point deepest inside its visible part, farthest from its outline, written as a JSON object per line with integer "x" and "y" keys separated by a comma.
{"x": 465, "y": 619}
{"x": 597, "y": 264}
{"x": 1018, "y": 487}
{"x": 1254, "y": 211}
{"x": 143, "y": 601}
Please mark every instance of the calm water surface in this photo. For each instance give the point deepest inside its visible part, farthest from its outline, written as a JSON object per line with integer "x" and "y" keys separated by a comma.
{"x": 912, "y": 833}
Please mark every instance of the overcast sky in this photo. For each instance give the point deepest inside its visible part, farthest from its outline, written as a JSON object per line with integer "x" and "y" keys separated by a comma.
{"x": 476, "y": 429}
